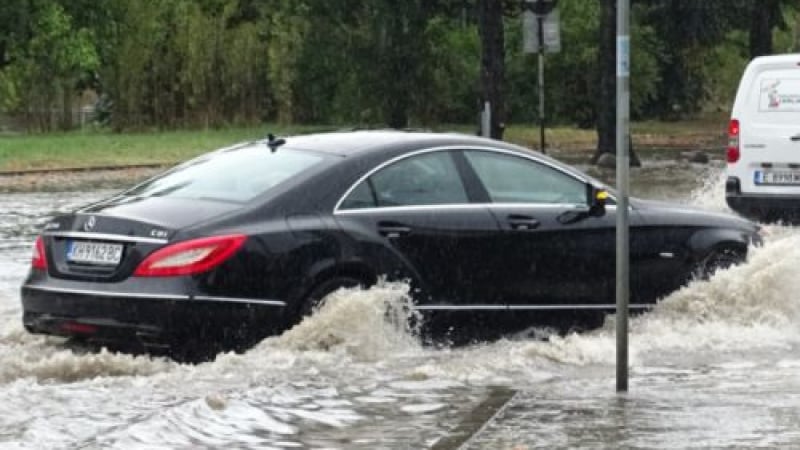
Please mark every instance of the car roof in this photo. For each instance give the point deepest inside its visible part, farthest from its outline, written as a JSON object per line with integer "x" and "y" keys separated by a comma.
{"x": 345, "y": 143}
{"x": 363, "y": 142}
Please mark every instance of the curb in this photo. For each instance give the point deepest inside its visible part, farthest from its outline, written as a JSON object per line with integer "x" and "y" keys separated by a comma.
{"x": 9, "y": 173}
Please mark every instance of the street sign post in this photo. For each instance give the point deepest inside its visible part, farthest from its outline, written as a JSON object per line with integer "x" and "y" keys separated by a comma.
{"x": 623, "y": 166}
{"x": 541, "y": 33}
{"x": 538, "y": 29}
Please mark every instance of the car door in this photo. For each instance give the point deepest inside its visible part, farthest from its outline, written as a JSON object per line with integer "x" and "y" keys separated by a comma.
{"x": 550, "y": 253}
{"x": 418, "y": 208}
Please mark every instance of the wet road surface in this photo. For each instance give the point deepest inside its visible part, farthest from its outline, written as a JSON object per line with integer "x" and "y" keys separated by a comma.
{"x": 716, "y": 364}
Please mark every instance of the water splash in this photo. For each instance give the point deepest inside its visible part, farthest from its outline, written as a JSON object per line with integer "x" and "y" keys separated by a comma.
{"x": 752, "y": 305}
{"x": 315, "y": 385}
{"x": 711, "y": 192}
{"x": 365, "y": 324}
{"x": 48, "y": 361}
{"x": 747, "y": 307}
{"x": 744, "y": 308}
{"x": 761, "y": 291}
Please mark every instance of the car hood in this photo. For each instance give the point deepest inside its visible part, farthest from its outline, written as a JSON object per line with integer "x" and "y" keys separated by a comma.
{"x": 656, "y": 212}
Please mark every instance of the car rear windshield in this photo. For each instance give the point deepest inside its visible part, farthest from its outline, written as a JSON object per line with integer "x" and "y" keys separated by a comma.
{"x": 238, "y": 174}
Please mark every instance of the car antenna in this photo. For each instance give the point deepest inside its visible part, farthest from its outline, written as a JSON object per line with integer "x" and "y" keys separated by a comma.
{"x": 274, "y": 143}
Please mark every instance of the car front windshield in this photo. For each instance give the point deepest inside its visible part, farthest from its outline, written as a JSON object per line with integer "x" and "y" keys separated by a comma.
{"x": 238, "y": 174}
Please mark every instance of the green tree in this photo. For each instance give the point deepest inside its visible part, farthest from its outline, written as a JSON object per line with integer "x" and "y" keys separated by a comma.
{"x": 366, "y": 62}
{"x": 288, "y": 27}
{"x": 185, "y": 63}
{"x": 765, "y": 16}
{"x": 42, "y": 72}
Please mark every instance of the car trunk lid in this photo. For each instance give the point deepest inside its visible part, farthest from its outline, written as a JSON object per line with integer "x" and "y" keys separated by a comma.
{"x": 108, "y": 240}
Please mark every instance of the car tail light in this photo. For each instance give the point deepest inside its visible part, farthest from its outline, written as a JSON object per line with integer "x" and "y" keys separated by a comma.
{"x": 733, "y": 152}
{"x": 190, "y": 257}
{"x": 39, "y": 260}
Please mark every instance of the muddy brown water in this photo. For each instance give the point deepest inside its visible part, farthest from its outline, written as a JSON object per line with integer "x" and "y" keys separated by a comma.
{"x": 716, "y": 364}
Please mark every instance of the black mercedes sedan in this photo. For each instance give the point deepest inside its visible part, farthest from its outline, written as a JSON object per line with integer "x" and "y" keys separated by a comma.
{"x": 240, "y": 243}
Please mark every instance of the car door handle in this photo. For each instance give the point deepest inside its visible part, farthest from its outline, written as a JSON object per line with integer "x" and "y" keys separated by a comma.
{"x": 795, "y": 138}
{"x": 393, "y": 229}
{"x": 522, "y": 223}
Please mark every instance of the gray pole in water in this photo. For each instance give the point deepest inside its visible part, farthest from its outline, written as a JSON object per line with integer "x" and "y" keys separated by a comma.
{"x": 623, "y": 166}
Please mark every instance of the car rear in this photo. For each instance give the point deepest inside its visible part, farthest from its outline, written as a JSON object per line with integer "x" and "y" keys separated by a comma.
{"x": 117, "y": 285}
{"x": 763, "y": 154}
{"x": 176, "y": 261}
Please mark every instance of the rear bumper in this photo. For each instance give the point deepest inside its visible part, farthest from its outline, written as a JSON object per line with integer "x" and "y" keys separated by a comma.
{"x": 150, "y": 322}
{"x": 761, "y": 206}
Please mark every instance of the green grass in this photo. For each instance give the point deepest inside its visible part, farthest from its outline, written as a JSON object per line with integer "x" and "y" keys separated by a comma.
{"x": 708, "y": 124}
{"x": 559, "y": 137}
{"x": 104, "y": 148}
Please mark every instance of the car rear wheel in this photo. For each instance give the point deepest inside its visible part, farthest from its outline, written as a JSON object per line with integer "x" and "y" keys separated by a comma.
{"x": 317, "y": 295}
{"x": 720, "y": 259}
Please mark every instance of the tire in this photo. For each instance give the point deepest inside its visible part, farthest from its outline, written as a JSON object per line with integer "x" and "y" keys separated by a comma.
{"x": 719, "y": 259}
{"x": 314, "y": 298}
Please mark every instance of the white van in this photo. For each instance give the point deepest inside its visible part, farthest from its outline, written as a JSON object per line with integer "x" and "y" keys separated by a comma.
{"x": 764, "y": 140}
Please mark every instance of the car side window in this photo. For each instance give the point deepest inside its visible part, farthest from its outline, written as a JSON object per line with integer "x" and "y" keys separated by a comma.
{"x": 361, "y": 197}
{"x": 427, "y": 179}
{"x": 512, "y": 179}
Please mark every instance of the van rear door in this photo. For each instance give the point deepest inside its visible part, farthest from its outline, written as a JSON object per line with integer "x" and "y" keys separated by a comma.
{"x": 770, "y": 131}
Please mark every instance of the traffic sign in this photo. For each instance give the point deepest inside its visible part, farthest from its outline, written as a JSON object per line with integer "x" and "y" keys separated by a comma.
{"x": 550, "y": 32}
{"x": 540, "y": 7}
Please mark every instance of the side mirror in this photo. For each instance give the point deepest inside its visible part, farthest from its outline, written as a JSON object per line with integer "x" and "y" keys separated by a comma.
{"x": 597, "y": 201}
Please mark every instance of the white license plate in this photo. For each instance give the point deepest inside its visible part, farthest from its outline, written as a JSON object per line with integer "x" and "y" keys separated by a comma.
{"x": 94, "y": 253}
{"x": 784, "y": 177}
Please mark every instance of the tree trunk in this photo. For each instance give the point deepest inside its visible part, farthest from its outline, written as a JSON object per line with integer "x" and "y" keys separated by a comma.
{"x": 66, "y": 106}
{"x": 607, "y": 92}
{"x": 399, "y": 61}
{"x": 4, "y": 58}
{"x": 490, "y": 27}
{"x": 762, "y": 18}
{"x": 398, "y": 112}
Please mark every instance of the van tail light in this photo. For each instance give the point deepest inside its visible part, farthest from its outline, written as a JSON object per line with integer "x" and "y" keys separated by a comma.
{"x": 190, "y": 257}
{"x": 733, "y": 152}
{"x": 39, "y": 260}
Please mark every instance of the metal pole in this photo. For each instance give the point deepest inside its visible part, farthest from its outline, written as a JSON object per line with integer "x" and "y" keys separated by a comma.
{"x": 486, "y": 120}
{"x": 623, "y": 165}
{"x": 540, "y": 19}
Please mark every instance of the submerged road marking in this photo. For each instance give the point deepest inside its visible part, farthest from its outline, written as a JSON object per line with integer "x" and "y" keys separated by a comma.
{"x": 477, "y": 419}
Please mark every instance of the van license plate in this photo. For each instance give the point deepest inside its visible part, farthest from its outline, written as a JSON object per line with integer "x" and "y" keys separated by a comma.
{"x": 94, "y": 253}
{"x": 777, "y": 177}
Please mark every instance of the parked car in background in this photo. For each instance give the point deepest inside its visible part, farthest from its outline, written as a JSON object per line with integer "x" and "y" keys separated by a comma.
{"x": 763, "y": 175}
{"x": 243, "y": 242}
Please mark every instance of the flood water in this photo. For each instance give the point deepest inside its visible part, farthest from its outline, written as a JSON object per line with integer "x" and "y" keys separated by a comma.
{"x": 716, "y": 364}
